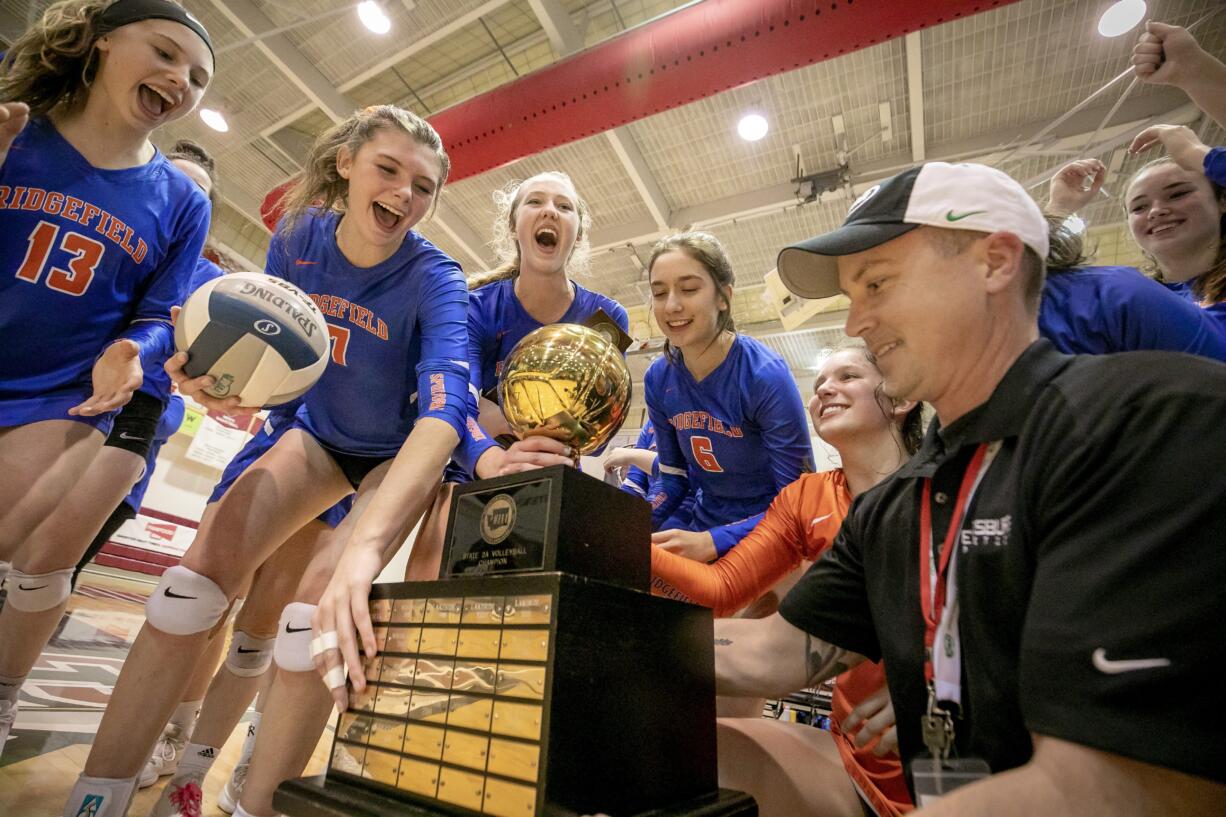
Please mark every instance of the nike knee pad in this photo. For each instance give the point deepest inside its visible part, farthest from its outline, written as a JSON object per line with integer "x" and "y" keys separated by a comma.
{"x": 36, "y": 592}
{"x": 249, "y": 656}
{"x": 185, "y": 602}
{"x": 293, "y": 650}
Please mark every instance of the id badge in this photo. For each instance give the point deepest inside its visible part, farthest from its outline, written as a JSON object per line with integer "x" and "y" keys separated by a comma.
{"x": 933, "y": 779}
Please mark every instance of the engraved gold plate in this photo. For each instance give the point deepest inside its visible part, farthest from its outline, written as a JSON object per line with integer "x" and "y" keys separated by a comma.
{"x": 438, "y": 640}
{"x": 348, "y": 758}
{"x": 503, "y": 799}
{"x": 517, "y": 720}
{"x": 519, "y": 681}
{"x": 444, "y": 611}
{"x": 463, "y": 749}
{"x": 353, "y": 727}
{"x": 397, "y": 670}
{"x": 372, "y": 667}
{"x": 382, "y": 767}
{"x": 513, "y": 759}
{"x": 364, "y": 700}
{"x": 429, "y": 705}
{"x": 524, "y": 645}
{"x": 418, "y": 777}
{"x": 402, "y": 639}
{"x": 462, "y": 788}
{"x": 387, "y": 734}
{"x": 472, "y": 676}
{"x": 392, "y": 701}
{"x": 478, "y": 643}
{"x": 408, "y": 611}
{"x": 433, "y": 672}
{"x": 483, "y": 610}
{"x": 528, "y": 610}
{"x": 380, "y": 638}
{"x": 472, "y": 713}
{"x": 381, "y": 611}
{"x": 424, "y": 741}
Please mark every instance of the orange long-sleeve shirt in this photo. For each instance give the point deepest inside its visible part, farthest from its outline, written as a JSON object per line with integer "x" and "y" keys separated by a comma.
{"x": 799, "y": 525}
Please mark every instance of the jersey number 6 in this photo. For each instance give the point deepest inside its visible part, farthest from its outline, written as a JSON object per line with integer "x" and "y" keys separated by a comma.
{"x": 701, "y": 448}
{"x": 74, "y": 280}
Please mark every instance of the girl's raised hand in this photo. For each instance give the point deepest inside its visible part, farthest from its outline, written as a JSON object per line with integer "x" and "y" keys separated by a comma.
{"x": 13, "y": 117}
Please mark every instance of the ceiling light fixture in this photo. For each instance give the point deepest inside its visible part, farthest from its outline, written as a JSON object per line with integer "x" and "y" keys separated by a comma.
{"x": 214, "y": 120}
{"x": 373, "y": 17}
{"x": 752, "y": 127}
{"x": 1121, "y": 17}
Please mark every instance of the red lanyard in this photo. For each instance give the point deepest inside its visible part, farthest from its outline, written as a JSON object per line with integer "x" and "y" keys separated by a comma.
{"x": 932, "y": 607}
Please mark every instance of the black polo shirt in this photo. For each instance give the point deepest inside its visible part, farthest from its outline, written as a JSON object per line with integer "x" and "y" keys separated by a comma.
{"x": 1101, "y": 539}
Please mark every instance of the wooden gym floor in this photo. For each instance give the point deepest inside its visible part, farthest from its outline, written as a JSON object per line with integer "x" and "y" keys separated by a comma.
{"x": 63, "y": 699}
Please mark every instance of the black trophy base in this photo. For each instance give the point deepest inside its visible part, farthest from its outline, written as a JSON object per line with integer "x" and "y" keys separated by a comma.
{"x": 319, "y": 797}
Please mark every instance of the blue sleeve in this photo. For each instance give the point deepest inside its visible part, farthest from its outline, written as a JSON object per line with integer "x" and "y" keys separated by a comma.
{"x": 638, "y": 481}
{"x": 1215, "y": 165}
{"x": 150, "y": 328}
{"x": 442, "y": 374}
{"x": 674, "y": 482}
{"x": 475, "y": 440}
{"x": 1145, "y": 315}
{"x": 780, "y": 414}
{"x": 725, "y": 537}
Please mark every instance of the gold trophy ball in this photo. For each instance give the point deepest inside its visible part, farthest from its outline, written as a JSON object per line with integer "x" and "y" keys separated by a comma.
{"x": 568, "y": 382}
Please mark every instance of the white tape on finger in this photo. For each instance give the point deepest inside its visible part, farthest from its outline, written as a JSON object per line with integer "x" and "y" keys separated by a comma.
{"x": 335, "y": 678}
{"x": 324, "y": 642}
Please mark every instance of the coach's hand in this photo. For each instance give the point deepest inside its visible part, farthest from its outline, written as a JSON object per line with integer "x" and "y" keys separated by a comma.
{"x": 13, "y": 117}
{"x": 873, "y": 719}
{"x": 117, "y": 374}
{"x": 1074, "y": 186}
{"x": 194, "y": 387}
{"x": 696, "y": 545}
{"x": 342, "y": 618}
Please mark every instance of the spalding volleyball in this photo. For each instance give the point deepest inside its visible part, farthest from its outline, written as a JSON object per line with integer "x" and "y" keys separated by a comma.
{"x": 261, "y": 338}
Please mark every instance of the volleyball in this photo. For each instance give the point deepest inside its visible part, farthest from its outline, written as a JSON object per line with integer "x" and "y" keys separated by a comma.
{"x": 260, "y": 337}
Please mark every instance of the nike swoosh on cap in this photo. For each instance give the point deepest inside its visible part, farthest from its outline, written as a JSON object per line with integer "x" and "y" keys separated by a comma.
{"x": 949, "y": 216}
{"x": 1109, "y": 667}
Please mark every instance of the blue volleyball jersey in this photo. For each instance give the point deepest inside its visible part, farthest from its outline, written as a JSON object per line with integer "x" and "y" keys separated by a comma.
{"x": 399, "y": 337}
{"x": 279, "y": 420}
{"x": 638, "y": 481}
{"x": 740, "y": 434}
{"x": 1101, "y": 310}
{"x": 496, "y": 322}
{"x": 87, "y": 256}
{"x": 168, "y": 424}
{"x": 157, "y": 383}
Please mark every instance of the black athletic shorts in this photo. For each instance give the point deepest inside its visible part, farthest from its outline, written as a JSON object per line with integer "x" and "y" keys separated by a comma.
{"x": 355, "y": 466}
{"x": 136, "y": 424}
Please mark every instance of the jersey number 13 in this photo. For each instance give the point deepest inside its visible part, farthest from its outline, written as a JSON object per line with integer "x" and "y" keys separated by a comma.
{"x": 76, "y": 279}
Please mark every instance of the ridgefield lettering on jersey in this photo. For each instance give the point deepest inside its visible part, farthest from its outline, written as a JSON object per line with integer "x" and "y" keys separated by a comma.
{"x": 702, "y": 421}
{"x": 35, "y": 199}
{"x": 360, "y": 316}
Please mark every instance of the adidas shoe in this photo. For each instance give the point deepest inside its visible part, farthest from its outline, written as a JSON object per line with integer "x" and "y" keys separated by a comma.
{"x": 227, "y": 800}
{"x": 182, "y": 797}
{"x": 165, "y": 757}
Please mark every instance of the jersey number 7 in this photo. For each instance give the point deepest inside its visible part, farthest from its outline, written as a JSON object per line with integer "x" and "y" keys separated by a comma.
{"x": 339, "y": 336}
{"x": 74, "y": 280}
{"x": 703, "y": 455}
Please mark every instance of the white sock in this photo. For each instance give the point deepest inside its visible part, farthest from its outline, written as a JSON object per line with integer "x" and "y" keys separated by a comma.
{"x": 100, "y": 797}
{"x": 10, "y": 687}
{"x": 197, "y": 758}
{"x": 185, "y": 715}
{"x": 239, "y": 811}
{"x": 249, "y": 741}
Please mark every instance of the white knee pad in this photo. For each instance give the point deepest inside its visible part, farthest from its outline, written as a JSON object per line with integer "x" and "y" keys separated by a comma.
{"x": 185, "y": 602}
{"x": 36, "y": 592}
{"x": 249, "y": 656}
{"x": 293, "y": 650}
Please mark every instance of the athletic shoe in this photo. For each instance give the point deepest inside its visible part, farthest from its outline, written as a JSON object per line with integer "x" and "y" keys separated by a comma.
{"x": 227, "y": 800}
{"x": 165, "y": 757}
{"x": 182, "y": 797}
{"x": 8, "y": 714}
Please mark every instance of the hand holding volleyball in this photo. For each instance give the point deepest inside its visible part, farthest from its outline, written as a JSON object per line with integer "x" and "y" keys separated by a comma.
{"x": 249, "y": 336}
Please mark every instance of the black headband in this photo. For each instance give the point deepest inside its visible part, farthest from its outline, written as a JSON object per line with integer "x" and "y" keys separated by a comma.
{"x": 126, "y": 12}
